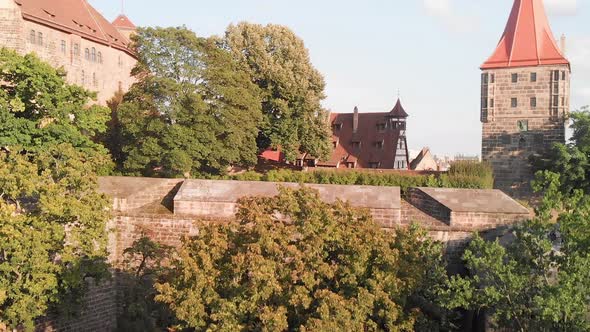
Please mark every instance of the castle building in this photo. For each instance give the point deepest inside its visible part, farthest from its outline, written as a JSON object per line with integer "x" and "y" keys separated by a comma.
{"x": 525, "y": 95}
{"x": 73, "y": 35}
{"x": 366, "y": 140}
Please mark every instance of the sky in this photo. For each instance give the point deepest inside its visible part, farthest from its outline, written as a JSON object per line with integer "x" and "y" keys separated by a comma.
{"x": 427, "y": 51}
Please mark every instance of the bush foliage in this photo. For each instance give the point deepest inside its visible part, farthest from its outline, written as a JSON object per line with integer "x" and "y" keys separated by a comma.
{"x": 469, "y": 175}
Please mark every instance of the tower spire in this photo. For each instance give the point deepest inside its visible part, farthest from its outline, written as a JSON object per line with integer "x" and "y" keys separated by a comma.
{"x": 527, "y": 39}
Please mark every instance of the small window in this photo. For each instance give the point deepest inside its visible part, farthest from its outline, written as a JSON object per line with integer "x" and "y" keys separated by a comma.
{"x": 514, "y": 102}
{"x": 484, "y": 78}
{"x": 401, "y": 144}
{"x": 87, "y": 54}
{"x": 93, "y": 55}
{"x": 563, "y": 75}
{"x": 379, "y": 145}
{"x": 335, "y": 144}
{"x": 63, "y": 46}
{"x": 381, "y": 127}
{"x": 523, "y": 125}
{"x": 484, "y": 103}
{"x": 99, "y": 57}
{"x": 562, "y": 101}
{"x": 533, "y": 77}
{"x": 76, "y": 49}
{"x": 556, "y": 89}
{"x": 33, "y": 37}
{"x": 514, "y": 78}
{"x": 40, "y": 38}
{"x": 356, "y": 145}
{"x": 492, "y": 78}
{"x": 533, "y": 102}
{"x": 491, "y": 102}
{"x": 337, "y": 126}
{"x": 555, "y": 101}
{"x": 556, "y": 75}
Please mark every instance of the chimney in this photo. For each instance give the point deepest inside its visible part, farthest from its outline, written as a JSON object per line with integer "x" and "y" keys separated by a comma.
{"x": 355, "y": 120}
{"x": 562, "y": 45}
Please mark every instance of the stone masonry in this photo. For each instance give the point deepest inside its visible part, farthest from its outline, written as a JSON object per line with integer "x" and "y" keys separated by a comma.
{"x": 523, "y": 111}
{"x": 105, "y": 77}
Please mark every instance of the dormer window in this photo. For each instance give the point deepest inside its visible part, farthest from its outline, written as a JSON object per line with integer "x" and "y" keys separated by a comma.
{"x": 378, "y": 145}
{"x": 335, "y": 144}
{"x": 337, "y": 126}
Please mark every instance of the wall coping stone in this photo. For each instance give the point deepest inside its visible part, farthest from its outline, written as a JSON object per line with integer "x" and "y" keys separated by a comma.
{"x": 475, "y": 200}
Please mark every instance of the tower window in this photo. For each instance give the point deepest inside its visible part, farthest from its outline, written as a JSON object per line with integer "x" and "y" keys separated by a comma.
{"x": 523, "y": 125}
{"x": 555, "y": 101}
{"x": 33, "y": 37}
{"x": 562, "y": 101}
{"x": 40, "y": 38}
{"x": 514, "y": 102}
{"x": 484, "y": 103}
{"x": 63, "y": 46}
{"x": 401, "y": 144}
{"x": 563, "y": 75}
{"x": 514, "y": 78}
{"x": 533, "y": 77}
{"x": 492, "y": 102}
{"x": 533, "y": 102}
{"x": 492, "y": 78}
{"x": 484, "y": 78}
{"x": 556, "y": 75}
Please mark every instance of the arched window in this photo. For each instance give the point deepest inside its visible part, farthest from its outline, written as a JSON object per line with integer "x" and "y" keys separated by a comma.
{"x": 33, "y": 37}
{"x": 99, "y": 57}
{"x": 76, "y": 49}
{"x": 40, "y": 38}
{"x": 93, "y": 54}
{"x": 87, "y": 54}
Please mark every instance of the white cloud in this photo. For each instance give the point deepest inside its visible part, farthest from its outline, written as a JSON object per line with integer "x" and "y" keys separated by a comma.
{"x": 445, "y": 12}
{"x": 562, "y": 7}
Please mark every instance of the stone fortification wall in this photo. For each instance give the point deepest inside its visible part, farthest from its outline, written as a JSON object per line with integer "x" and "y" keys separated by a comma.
{"x": 166, "y": 210}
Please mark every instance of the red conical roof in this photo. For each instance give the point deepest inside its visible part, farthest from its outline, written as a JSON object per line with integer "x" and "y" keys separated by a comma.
{"x": 398, "y": 111}
{"x": 527, "y": 39}
{"x": 123, "y": 22}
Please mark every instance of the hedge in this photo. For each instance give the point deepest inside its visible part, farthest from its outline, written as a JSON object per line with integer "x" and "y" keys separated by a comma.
{"x": 464, "y": 174}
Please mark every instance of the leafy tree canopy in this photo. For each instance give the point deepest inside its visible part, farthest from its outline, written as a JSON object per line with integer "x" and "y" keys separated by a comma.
{"x": 192, "y": 110}
{"x": 294, "y": 263}
{"x": 571, "y": 161}
{"x": 38, "y": 109}
{"x": 52, "y": 232}
{"x": 292, "y": 89}
{"x": 540, "y": 280}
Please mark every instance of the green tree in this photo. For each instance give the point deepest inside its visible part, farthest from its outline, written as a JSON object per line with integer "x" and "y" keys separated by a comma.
{"x": 540, "y": 280}
{"x": 52, "y": 233}
{"x": 292, "y": 89}
{"x": 192, "y": 110}
{"x": 38, "y": 109}
{"x": 571, "y": 161}
{"x": 292, "y": 262}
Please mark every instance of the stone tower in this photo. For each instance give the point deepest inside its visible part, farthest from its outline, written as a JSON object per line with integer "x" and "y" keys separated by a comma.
{"x": 525, "y": 92}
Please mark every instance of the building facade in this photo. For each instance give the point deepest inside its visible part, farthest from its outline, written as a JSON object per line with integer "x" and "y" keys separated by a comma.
{"x": 73, "y": 35}
{"x": 525, "y": 95}
{"x": 366, "y": 140}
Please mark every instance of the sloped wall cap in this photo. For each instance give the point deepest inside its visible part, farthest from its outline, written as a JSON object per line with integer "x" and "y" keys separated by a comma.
{"x": 231, "y": 191}
{"x": 476, "y": 201}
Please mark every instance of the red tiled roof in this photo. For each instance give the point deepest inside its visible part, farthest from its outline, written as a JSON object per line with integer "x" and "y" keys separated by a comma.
{"x": 527, "y": 39}
{"x": 123, "y": 22}
{"x": 367, "y": 135}
{"x": 398, "y": 111}
{"x": 74, "y": 16}
{"x": 273, "y": 155}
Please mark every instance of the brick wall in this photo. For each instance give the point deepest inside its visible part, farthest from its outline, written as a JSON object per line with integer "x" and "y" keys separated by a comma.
{"x": 504, "y": 144}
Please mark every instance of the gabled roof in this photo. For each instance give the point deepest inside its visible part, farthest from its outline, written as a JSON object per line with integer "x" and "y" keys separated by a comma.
{"x": 527, "y": 39}
{"x": 398, "y": 111}
{"x": 74, "y": 16}
{"x": 123, "y": 22}
{"x": 367, "y": 135}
